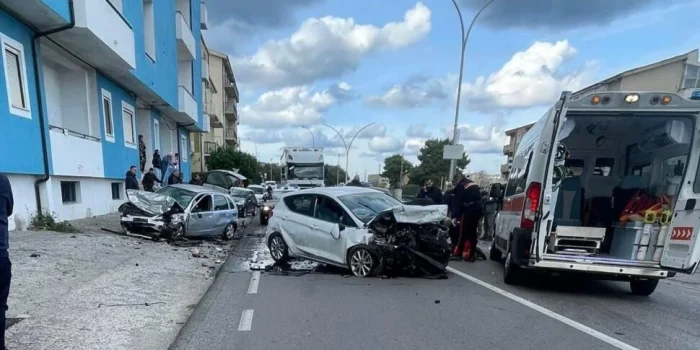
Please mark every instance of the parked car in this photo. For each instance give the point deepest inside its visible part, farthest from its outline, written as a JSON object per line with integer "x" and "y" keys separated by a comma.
{"x": 180, "y": 211}
{"x": 223, "y": 180}
{"x": 360, "y": 229}
{"x": 245, "y": 201}
{"x": 259, "y": 192}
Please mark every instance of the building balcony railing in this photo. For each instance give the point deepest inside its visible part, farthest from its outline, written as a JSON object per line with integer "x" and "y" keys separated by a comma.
{"x": 209, "y": 147}
{"x": 508, "y": 149}
{"x": 187, "y": 105}
{"x": 185, "y": 38}
{"x": 230, "y": 86}
{"x": 231, "y": 136}
{"x": 230, "y": 108}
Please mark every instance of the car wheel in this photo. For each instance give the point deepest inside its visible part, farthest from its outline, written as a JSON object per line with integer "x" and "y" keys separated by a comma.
{"x": 177, "y": 233}
{"x": 494, "y": 253}
{"x": 511, "y": 271}
{"x": 643, "y": 287}
{"x": 229, "y": 231}
{"x": 362, "y": 262}
{"x": 278, "y": 248}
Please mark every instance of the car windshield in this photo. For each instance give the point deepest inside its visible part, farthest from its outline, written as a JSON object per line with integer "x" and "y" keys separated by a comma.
{"x": 239, "y": 194}
{"x": 181, "y": 196}
{"x": 367, "y": 205}
{"x": 305, "y": 171}
{"x": 256, "y": 190}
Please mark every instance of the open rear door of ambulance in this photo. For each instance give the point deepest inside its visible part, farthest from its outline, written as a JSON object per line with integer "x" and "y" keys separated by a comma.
{"x": 682, "y": 248}
{"x": 547, "y": 146}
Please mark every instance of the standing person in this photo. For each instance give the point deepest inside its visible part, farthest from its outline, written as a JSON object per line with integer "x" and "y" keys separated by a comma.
{"x": 448, "y": 199}
{"x": 430, "y": 191}
{"x": 130, "y": 181}
{"x": 6, "y": 208}
{"x": 157, "y": 163}
{"x": 149, "y": 180}
{"x": 467, "y": 204}
{"x": 142, "y": 153}
{"x": 166, "y": 167}
{"x": 176, "y": 161}
{"x": 355, "y": 181}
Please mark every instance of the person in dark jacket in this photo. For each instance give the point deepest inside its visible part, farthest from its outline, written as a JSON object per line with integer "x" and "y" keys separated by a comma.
{"x": 467, "y": 211}
{"x": 157, "y": 164}
{"x": 175, "y": 178}
{"x": 448, "y": 199}
{"x": 149, "y": 180}
{"x": 196, "y": 180}
{"x": 355, "y": 181}
{"x": 130, "y": 181}
{"x": 6, "y": 207}
{"x": 430, "y": 191}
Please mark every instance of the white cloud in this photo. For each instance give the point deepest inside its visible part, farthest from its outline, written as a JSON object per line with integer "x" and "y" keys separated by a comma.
{"x": 479, "y": 139}
{"x": 374, "y": 130}
{"x": 293, "y": 106}
{"x": 327, "y": 47}
{"x": 386, "y": 144}
{"x": 413, "y": 146}
{"x": 530, "y": 78}
{"x": 419, "y": 130}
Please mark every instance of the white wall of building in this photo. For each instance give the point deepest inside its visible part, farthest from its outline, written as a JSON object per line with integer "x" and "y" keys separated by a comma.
{"x": 25, "y": 202}
{"x": 76, "y": 156}
{"x": 94, "y": 197}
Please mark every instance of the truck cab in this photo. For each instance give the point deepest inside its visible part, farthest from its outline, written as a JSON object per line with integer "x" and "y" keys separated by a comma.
{"x": 302, "y": 167}
{"x": 605, "y": 184}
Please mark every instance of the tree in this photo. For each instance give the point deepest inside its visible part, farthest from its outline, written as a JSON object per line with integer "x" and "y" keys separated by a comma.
{"x": 228, "y": 158}
{"x": 333, "y": 175}
{"x": 432, "y": 166}
{"x": 272, "y": 171}
{"x": 392, "y": 169}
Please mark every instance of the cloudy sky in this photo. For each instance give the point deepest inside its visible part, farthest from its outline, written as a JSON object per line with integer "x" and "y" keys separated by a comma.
{"x": 303, "y": 63}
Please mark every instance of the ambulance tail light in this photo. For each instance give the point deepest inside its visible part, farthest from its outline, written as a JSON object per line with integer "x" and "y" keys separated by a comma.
{"x": 532, "y": 202}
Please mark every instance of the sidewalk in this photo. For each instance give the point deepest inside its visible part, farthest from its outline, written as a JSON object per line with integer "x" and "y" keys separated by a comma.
{"x": 65, "y": 288}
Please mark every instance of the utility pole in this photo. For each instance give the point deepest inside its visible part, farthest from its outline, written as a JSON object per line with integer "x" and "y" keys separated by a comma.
{"x": 337, "y": 171}
{"x": 271, "y": 178}
{"x": 464, "y": 39}
{"x": 401, "y": 173}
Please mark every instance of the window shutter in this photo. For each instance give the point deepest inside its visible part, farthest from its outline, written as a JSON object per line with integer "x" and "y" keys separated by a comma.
{"x": 15, "y": 78}
{"x": 107, "y": 107}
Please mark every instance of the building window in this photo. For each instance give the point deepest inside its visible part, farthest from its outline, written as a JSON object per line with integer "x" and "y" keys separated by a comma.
{"x": 603, "y": 166}
{"x": 107, "y": 115}
{"x": 183, "y": 145}
{"x": 149, "y": 33}
{"x": 116, "y": 191}
{"x": 15, "y": 77}
{"x": 69, "y": 192}
{"x": 690, "y": 79}
{"x": 129, "y": 125}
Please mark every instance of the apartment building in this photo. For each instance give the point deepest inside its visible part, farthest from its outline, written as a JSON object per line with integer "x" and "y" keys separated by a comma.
{"x": 81, "y": 82}
{"x": 220, "y": 106}
{"x": 377, "y": 180}
{"x": 515, "y": 135}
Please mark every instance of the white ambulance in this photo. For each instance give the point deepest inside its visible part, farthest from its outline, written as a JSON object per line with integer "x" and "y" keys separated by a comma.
{"x": 605, "y": 184}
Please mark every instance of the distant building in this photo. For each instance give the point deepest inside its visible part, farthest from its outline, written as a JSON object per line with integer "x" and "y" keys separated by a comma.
{"x": 515, "y": 136}
{"x": 377, "y": 180}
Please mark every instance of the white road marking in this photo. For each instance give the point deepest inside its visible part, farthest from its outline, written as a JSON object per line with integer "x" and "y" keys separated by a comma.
{"x": 246, "y": 321}
{"x": 254, "y": 281}
{"x": 585, "y": 329}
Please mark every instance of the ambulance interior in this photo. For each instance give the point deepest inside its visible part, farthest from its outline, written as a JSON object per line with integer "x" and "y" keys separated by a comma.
{"x": 618, "y": 178}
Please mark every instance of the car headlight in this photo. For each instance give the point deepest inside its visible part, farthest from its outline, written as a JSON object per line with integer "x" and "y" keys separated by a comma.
{"x": 177, "y": 218}
{"x": 266, "y": 207}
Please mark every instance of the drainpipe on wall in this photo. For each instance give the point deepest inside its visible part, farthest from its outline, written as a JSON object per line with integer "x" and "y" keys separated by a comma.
{"x": 40, "y": 99}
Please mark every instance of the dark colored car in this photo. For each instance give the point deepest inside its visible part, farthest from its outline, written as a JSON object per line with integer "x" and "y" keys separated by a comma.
{"x": 245, "y": 201}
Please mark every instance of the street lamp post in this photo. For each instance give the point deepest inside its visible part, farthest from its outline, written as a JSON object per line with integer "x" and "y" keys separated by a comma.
{"x": 348, "y": 145}
{"x": 255, "y": 145}
{"x": 464, "y": 39}
{"x": 313, "y": 140}
{"x": 337, "y": 171}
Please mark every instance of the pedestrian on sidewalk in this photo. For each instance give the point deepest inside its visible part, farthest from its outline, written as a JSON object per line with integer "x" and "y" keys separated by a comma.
{"x": 149, "y": 180}
{"x": 175, "y": 178}
{"x": 6, "y": 208}
{"x": 142, "y": 154}
{"x": 157, "y": 163}
{"x": 130, "y": 181}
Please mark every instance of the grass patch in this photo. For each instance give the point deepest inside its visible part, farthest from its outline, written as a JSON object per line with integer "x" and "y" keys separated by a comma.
{"x": 48, "y": 222}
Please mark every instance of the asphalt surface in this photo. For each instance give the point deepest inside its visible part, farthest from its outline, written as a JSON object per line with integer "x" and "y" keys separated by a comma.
{"x": 327, "y": 309}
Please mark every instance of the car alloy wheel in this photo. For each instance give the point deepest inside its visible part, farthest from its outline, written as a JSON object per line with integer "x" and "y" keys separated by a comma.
{"x": 361, "y": 263}
{"x": 277, "y": 248}
{"x": 230, "y": 231}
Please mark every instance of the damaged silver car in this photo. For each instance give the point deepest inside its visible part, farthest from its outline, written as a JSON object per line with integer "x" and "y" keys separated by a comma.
{"x": 180, "y": 211}
{"x": 361, "y": 229}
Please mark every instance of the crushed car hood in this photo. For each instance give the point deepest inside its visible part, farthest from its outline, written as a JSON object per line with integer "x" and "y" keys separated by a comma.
{"x": 411, "y": 214}
{"x": 147, "y": 203}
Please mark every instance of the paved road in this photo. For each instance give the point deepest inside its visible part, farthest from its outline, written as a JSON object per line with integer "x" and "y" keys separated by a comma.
{"x": 330, "y": 310}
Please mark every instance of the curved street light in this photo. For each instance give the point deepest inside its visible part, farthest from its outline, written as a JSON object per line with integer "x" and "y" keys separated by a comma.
{"x": 464, "y": 39}
{"x": 348, "y": 145}
{"x": 255, "y": 145}
{"x": 313, "y": 140}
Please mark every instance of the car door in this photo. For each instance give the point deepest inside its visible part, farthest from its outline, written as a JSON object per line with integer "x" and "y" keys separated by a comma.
{"x": 298, "y": 220}
{"x": 200, "y": 217}
{"x": 217, "y": 181}
{"x": 325, "y": 237}
{"x": 234, "y": 209}
{"x": 222, "y": 215}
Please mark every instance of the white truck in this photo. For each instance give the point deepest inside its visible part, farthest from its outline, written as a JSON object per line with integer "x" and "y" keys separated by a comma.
{"x": 303, "y": 167}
